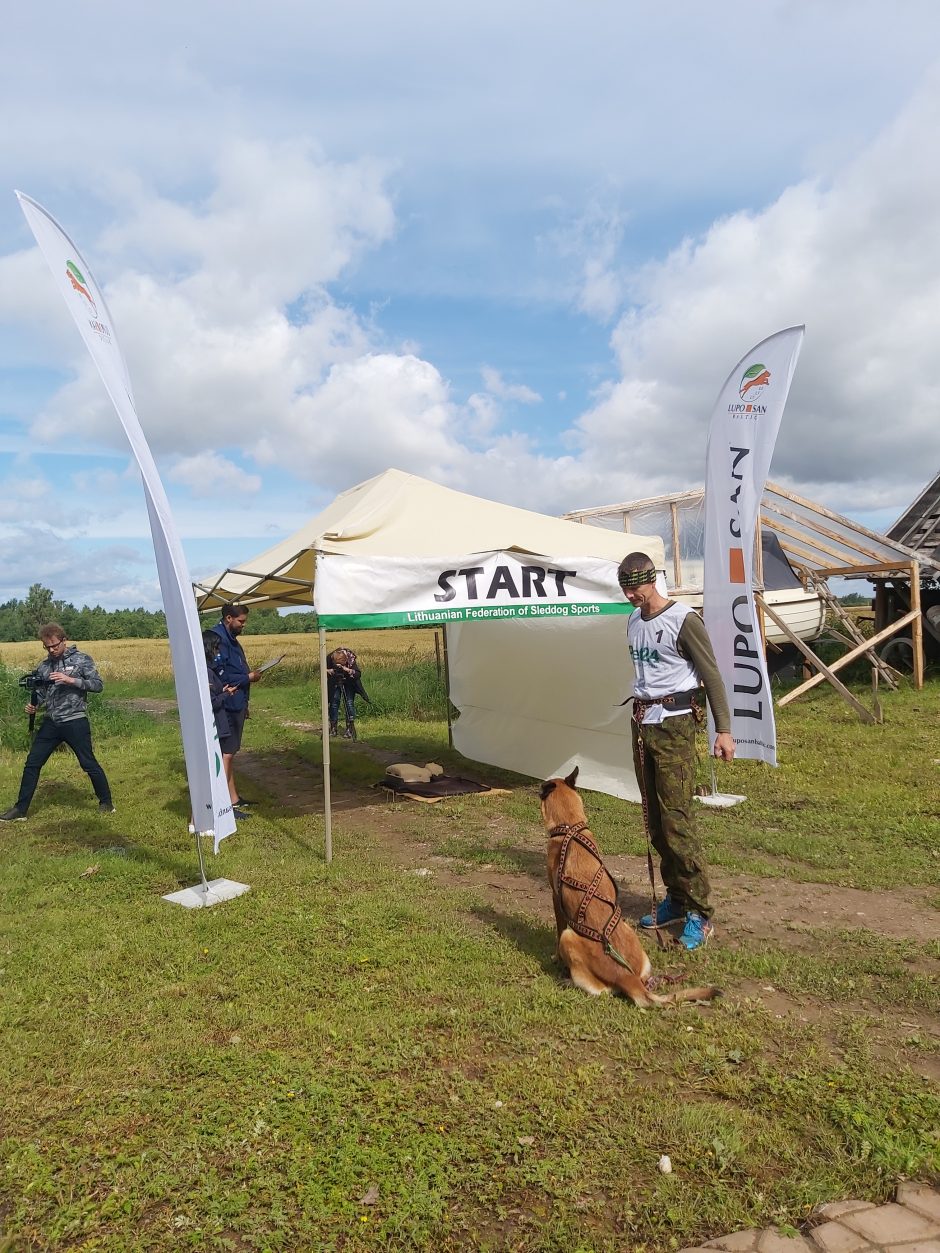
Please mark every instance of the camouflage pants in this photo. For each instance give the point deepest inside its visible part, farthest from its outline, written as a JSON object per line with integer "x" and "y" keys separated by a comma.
{"x": 666, "y": 777}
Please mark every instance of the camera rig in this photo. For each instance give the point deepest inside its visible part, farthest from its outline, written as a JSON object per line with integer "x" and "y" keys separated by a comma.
{"x": 35, "y": 684}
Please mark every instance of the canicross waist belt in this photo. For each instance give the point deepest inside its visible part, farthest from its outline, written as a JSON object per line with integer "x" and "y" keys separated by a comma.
{"x": 675, "y": 700}
{"x": 693, "y": 699}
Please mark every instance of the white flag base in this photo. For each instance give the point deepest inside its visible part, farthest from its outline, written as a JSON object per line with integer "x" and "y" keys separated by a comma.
{"x": 205, "y": 894}
{"x": 721, "y": 800}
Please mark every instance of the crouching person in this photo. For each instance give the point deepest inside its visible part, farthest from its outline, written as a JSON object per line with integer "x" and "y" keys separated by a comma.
{"x": 61, "y": 686}
{"x": 343, "y": 685}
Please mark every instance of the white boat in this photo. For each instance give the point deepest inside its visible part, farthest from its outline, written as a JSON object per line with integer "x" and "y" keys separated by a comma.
{"x": 804, "y": 612}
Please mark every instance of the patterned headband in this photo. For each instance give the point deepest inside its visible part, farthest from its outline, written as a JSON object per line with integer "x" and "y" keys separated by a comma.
{"x": 635, "y": 578}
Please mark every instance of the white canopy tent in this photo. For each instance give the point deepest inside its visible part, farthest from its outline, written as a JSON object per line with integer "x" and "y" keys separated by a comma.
{"x": 533, "y": 617}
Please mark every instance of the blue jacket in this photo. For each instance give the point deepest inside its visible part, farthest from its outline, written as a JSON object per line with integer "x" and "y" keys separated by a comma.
{"x": 232, "y": 668}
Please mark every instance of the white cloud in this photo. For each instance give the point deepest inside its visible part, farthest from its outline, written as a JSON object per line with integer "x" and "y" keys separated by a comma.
{"x": 28, "y": 498}
{"x": 857, "y": 258}
{"x": 593, "y": 242}
{"x": 229, "y": 310}
{"x": 241, "y": 345}
{"x": 279, "y": 222}
{"x": 484, "y": 412}
{"x": 113, "y": 575}
{"x": 99, "y": 483}
{"x": 373, "y": 412}
{"x": 209, "y": 474}
{"x": 233, "y": 327}
{"x": 497, "y": 386}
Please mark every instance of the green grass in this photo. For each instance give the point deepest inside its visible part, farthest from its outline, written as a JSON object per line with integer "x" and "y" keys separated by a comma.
{"x": 853, "y": 805}
{"x": 243, "y": 1077}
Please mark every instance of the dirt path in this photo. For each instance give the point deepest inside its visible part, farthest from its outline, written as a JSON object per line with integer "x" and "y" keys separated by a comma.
{"x": 788, "y": 915}
{"x": 749, "y": 907}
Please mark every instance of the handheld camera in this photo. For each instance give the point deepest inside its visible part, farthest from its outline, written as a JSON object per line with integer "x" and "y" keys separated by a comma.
{"x": 35, "y": 684}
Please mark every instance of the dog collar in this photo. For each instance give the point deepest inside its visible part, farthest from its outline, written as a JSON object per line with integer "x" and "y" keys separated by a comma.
{"x": 568, "y": 828}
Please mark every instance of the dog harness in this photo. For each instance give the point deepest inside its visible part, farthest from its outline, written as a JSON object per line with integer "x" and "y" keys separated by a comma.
{"x": 600, "y": 891}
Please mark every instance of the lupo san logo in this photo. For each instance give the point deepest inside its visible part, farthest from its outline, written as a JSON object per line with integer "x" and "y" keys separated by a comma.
{"x": 77, "y": 279}
{"x": 753, "y": 382}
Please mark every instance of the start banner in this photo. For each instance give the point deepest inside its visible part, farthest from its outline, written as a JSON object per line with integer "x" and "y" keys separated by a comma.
{"x": 370, "y": 592}
{"x": 741, "y": 438}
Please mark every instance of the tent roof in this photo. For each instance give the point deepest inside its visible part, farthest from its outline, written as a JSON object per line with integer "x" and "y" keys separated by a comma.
{"x": 395, "y": 515}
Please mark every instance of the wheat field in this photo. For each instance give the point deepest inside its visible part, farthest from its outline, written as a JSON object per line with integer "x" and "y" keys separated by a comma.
{"x": 150, "y": 659}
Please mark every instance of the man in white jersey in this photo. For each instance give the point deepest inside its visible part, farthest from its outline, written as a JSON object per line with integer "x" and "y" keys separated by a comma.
{"x": 673, "y": 658}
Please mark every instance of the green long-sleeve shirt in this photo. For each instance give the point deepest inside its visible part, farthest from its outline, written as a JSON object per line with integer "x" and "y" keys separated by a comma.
{"x": 693, "y": 644}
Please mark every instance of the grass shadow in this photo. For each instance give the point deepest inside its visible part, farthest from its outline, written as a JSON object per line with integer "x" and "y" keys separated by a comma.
{"x": 527, "y": 860}
{"x": 534, "y": 939}
{"x": 633, "y": 902}
{"x": 107, "y": 838}
{"x": 70, "y": 794}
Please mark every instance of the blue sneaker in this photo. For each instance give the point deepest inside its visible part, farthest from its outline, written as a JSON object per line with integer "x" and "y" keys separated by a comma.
{"x": 240, "y": 814}
{"x": 696, "y": 931}
{"x": 666, "y": 911}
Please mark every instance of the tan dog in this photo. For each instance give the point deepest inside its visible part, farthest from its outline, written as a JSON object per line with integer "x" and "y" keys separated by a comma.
{"x": 602, "y": 951}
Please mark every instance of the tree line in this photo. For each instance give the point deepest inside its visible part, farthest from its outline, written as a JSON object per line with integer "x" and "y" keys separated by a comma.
{"x": 21, "y": 619}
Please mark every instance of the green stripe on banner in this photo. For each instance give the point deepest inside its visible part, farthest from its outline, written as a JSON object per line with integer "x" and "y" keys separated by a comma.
{"x": 483, "y": 613}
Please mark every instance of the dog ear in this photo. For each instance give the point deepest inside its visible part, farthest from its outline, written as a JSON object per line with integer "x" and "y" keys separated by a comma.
{"x": 570, "y": 780}
{"x": 547, "y": 787}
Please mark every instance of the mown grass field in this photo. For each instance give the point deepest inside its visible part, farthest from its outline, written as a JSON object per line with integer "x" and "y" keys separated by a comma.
{"x": 359, "y": 1057}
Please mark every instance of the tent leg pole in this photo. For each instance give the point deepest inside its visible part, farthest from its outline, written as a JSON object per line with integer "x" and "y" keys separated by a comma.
{"x": 450, "y": 725}
{"x": 325, "y": 732}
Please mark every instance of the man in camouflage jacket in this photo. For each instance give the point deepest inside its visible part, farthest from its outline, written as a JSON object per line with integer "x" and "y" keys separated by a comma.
{"x": 62, "y": 684}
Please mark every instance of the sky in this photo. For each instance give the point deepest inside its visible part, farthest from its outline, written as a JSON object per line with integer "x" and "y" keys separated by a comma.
{"x": 514, "y": 248}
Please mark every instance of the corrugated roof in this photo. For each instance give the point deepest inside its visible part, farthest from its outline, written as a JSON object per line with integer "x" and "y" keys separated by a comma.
{"x": 919, "y": 524}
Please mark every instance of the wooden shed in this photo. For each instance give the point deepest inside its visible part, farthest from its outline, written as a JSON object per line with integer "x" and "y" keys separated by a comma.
{"x": 917, "y": 528}
{"x": 817, "y": 544}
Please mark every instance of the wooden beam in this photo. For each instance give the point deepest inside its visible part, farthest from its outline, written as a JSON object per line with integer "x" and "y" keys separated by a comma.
{"x": 759, "y": 572}
{"x": 813, "y": 507}
{"x": 917, "y": 629}
{"x": 629, "y": 505}
{"x": 676, "y": 558}
{"x": 865, "y": 714}
{"x": 847, "y": 657}
{"x": 854, "y": 634}
{"x": 795, "y": 550}
{"x": 824, "y": 530}
{"x": 886, "y": 569}
{"x": 809, "y": 540}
